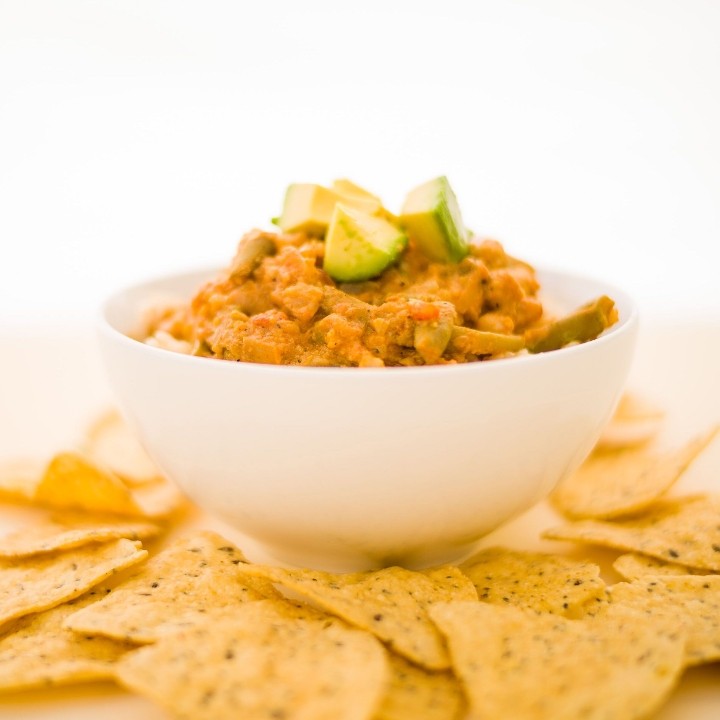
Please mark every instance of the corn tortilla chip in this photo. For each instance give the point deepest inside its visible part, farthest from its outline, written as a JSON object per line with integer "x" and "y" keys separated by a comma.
{"x": 636, "y": 421}
{"x": 258, "y": 665}
{"x": 112, "y": 444}
{"x": 36, "y": 651}
{"x": 682, "y": 530}
{"x": 690, "y": 601}
{"x": 617, "y": 483}
{"x": 29, "y": 585}
{"x": 515, "y": 663}
{"x": 73, "y": 481}
{"x": 391, "y": 603}
{"x": 67, "y": 532}
{"x": 633, "y": 566}
{"x": 173, "y": 591}
{"x": 537, "y": 581}
{"x": 414, "y": 693}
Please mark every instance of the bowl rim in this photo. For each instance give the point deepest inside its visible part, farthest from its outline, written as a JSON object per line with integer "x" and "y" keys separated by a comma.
{"x": 624, "y": 325}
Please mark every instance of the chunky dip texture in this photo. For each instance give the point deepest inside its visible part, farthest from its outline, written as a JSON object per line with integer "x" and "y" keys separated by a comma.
{"x": 278, "y": 302}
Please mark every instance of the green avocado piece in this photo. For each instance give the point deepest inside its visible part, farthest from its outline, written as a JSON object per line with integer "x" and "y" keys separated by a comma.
{"x": 308, "y": 208}
{"x": 359, "y": 246}
{"x": 431, "y": 216}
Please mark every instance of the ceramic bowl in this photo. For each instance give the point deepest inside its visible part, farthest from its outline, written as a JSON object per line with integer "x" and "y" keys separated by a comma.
{"x": 353, "y": 468}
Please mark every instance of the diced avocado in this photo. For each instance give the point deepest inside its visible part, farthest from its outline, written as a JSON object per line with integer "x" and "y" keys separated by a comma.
{"x": 359, "y": 246}
{"x": 349, "y": 188}
{"x": 431, "y": 216}
{"x": 308, "y": 208}
{"x": 583, "y": 325}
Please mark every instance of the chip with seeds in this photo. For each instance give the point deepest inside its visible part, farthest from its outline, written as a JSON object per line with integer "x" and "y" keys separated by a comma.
{"x": 173, "y": 591}
{"x": 258, "y": 664}
{"x": 37, "y": 651}
{"x": 112, "y": 444}
{"x": 391, "y": 603}
{"x": 516, "y": 663}
{"x": 633, "y": 566}
{"x": 690, "y": 601}
{"x": 682, "y": 530}
{"x": 414, "y": 693}
{"x": 537, "y": 581}
{"x": 32, "y": 584}
{"x": 611, "y": 484}
{"x": 64, "y": 532}
{"x": 636, "y": 421}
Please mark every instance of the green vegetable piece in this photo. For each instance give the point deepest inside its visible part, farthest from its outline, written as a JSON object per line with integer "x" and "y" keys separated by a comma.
{"x": 308, "y": 208}
{"x": 431, "y": 216}
{"x": 478, "y": 342}
{"x": 359, "y": 246}
{"x": 583, "y": 325}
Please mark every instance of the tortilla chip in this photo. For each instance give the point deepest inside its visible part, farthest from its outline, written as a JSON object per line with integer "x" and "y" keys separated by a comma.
{"x": 636, "y": 421}
{"x": 391, "y": 603}
{"x": 633, "y": 566}
{"x": 682, "y": 530}
{"x": 414, "y": 693}
{"x": 690, "y": 601}
{"x": 536, "y": 581}
{"x": 36, "y": 651}
{"x": 613, "y": 484}
{"x": 257, "y": 664}
{"x": 515, "y": 663}
{"x": 19, "y": 479}
{"x": 29, "y": 585}
{"x": 173, "y": 591}
{"x": 111, "y": 443}
{"x": 64, "y": 532}
{"x": 73, "y": 481}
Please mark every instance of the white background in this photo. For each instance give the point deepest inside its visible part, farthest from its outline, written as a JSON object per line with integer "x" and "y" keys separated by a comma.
{"x": 145, "y": 136}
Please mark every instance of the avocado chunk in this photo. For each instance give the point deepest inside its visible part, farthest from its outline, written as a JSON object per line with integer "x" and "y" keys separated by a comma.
{"x": 583, "y": 325}
{"x": 359, "y": 246}
{"x": 347, "y": 188}
{"x": 308, "y": 208}
{"x": 431, "y": 216}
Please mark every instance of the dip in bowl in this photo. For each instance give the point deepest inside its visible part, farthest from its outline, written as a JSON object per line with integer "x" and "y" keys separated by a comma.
{"x": 352, "y": 468}
{"x": 366, "y": 388}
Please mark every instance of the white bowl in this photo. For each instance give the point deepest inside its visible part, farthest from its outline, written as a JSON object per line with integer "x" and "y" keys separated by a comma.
{"x": 355, "y": 468}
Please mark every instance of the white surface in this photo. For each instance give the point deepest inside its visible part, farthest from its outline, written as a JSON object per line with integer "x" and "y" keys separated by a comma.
{"x": 145, "y": 136}
{"x": 52, "y": 385}
{"x": 315, "y": 463}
